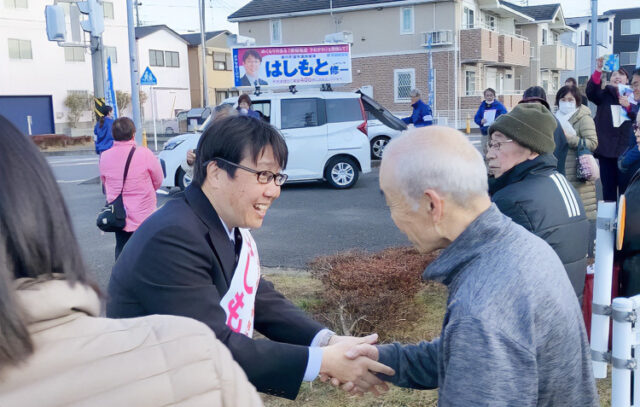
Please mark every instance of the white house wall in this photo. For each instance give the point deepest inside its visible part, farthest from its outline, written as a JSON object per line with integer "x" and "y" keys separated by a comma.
{"x": 48, "y": 73}
{"x": 172, "y": 91}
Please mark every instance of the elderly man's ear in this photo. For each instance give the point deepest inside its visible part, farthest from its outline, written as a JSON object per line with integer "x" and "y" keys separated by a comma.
{"x": 434, "y": 204}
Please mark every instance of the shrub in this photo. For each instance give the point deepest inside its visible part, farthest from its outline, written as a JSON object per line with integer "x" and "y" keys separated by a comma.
{"x": 123, "y": 99}
{"x": 77, "y": 103}
{"x": 366, "y": 293}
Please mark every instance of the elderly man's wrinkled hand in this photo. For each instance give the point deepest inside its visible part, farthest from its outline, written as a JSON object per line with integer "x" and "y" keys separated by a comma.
{"x": 360, "y": 370}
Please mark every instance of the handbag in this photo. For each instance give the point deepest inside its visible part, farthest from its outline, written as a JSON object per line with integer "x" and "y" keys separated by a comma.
{"x": 586, "y": 166}
{"x": 113, "y": 217}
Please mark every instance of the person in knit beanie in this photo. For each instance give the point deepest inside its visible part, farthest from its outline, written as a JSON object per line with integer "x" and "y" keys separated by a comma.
{"x": 527, "y": 187}
{"x": 529, "y": 127}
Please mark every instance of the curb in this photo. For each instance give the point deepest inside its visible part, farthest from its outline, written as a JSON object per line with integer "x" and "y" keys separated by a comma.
{"x": 68, "y": 152}
{"x": 288, "y": 271}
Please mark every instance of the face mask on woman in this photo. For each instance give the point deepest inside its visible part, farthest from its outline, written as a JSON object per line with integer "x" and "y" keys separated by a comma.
{"x": 244, "y": 111}
{"x": 566, "y": 107}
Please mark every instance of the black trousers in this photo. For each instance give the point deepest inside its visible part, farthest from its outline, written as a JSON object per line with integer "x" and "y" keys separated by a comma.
{"x": 610, "y": 177}
{"x": 122, "y": 238}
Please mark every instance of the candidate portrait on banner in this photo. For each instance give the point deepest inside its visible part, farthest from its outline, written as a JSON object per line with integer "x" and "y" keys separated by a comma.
{"x": 251, "y": 62}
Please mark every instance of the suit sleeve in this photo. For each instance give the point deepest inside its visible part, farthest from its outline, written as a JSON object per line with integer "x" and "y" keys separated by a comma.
{"x": 278, "y": 319}
{"x": 176, "y": 274}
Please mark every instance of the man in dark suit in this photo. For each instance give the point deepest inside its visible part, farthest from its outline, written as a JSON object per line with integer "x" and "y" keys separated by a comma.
{"x": 251, "y": 61}
{"x": 195, "y": 257}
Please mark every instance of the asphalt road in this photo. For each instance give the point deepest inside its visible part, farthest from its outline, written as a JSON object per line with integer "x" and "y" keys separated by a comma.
{"x": 308, "y": 220}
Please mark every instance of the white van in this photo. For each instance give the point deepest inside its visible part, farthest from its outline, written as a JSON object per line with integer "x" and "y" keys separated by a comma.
{"x": 326, "y": 134}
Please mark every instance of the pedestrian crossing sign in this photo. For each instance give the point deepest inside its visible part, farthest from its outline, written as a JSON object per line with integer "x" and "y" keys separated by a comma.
{"x": 148, "y": 78}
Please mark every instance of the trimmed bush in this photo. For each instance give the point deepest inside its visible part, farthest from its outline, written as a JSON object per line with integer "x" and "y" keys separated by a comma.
{"x": 366, "y": 293}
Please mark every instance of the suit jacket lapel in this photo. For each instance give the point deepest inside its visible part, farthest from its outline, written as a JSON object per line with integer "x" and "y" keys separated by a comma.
{"x": 222, "y": 246}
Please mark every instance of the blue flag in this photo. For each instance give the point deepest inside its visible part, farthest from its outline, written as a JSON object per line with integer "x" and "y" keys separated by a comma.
{"x": 110, "y": 94}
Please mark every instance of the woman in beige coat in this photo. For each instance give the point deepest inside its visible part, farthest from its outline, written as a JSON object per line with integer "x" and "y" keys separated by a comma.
{"x": 577, "y": 124}
{"x": 55, "y": 350}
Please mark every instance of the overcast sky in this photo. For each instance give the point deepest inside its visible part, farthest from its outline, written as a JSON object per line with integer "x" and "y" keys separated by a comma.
{"x": 182, "y": 15}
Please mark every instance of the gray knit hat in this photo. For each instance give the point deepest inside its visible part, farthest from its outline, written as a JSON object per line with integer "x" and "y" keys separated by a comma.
{"x": 530, "y": 124}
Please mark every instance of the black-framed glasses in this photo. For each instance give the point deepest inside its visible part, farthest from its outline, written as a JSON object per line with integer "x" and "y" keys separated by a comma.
{"x": 497, "y": 144}
{"x": 264, "y": 177}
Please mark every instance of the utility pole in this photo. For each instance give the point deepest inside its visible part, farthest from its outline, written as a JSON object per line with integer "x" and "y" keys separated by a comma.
{"x": 205, "y": 85}
{"x": 594, "y": 34}
{"x": 135, "y": 75}
{"x": 97, "y": 67}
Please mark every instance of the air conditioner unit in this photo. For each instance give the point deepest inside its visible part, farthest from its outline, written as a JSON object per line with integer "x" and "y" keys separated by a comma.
{"x": 339, "y": 37}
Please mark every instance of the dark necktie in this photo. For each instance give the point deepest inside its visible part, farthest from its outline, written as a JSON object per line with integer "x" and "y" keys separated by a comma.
{"x": 237, "y": 245}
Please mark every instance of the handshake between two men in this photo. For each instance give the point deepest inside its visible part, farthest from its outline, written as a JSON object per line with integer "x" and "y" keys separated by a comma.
{"x": 352, "y": 363}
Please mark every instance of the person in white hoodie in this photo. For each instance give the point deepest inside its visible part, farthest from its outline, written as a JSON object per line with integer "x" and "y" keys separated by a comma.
{"x": 580, "y": 131}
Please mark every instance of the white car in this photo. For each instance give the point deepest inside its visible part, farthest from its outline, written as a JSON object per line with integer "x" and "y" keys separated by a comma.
{"x": 326, "y": 134}
{"x": 379, "y": 136}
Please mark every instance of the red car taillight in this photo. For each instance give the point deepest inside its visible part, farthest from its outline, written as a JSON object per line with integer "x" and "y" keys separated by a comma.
{"x": 363, "y": 127}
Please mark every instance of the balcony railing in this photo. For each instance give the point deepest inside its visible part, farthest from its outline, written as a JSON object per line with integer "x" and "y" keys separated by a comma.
{"x": 438, "y": 38}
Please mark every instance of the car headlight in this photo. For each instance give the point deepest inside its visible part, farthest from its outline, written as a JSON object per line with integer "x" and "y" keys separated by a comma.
{"x": 170, "y": 145}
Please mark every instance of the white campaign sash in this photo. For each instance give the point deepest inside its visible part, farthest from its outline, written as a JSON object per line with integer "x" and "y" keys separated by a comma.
{"x": 238, "y": 302}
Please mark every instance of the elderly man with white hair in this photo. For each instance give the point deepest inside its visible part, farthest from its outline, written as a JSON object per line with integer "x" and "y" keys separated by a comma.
{"x": 513, "y": 333}
{"x": 421, "y": 115}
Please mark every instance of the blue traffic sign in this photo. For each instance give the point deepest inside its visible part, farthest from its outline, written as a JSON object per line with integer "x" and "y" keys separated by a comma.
{"x": 148, "y": 78}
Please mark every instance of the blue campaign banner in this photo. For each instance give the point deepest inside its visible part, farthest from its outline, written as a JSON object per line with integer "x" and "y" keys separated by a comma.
{"x": 110, "y": 94}
{"x": 294, "y": 65}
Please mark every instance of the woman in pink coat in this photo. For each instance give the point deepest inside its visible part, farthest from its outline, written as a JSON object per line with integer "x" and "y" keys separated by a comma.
{"x": 144, "y": 177}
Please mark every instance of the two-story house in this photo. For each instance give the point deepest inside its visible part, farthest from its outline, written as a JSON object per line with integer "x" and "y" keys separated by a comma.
{"x": 219, "y": 65}
{"x": 473, "y": 43}
{"x": 549, "y": 57}
{"x": 581, "y": 40}
{"x": 164, "y": 51}
{"x": 626, "y": 36}
{"x": 36, "y": 75}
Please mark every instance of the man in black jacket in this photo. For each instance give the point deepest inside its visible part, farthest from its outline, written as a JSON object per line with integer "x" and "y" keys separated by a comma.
{"x": 528, "y": 188}
{"x": 195, "y": 257}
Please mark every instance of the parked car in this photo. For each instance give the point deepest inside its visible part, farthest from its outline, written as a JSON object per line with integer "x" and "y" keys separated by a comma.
{"x": 379, "y": 136}
{"x": 326, "y": 134}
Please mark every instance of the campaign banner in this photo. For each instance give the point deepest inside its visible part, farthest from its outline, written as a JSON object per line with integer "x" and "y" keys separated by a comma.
{"x": 110, "y": 94}
{"x": 294, "y": 65}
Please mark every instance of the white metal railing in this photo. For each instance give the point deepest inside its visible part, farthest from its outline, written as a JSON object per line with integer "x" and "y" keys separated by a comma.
{"x": 504, "y": 93}
{"x": 441, "y": 37}
{"x": 492, "y": 28}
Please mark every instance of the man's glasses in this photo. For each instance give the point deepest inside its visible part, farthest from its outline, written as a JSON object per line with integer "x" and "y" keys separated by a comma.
{"x": 495, "y": 145}
{"x": 264, "y": 177}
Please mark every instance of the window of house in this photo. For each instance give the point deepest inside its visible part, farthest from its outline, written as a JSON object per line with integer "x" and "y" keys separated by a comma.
{"x": 490, "y": 22}
{"x": 172, "y": 59}
{"x": 545, "y": 85}
{"x": 628, "y": 58}
{"x": 20, "y": 49}
{"x": 630, "y": 27}
{"x": 74, "y": 54}
{"x": 276, "y": 31}
{"x": 219, "y": 61}
{"x": 107, "y": 8}
{"x": 555, "y": 38}
{"x": 610, "y": 40}
{"x": 156, "y": 57}
{"x": 406, "y": 20}
{"x": 611, "y": 25}
{"x": 586, "y": 38}
{"x": 229, "y": 62}
{"x": 111, "y": 52}
{"x": 16, "y": 4}
{"x": 404, "y": 80}
{"x": 545, "y": 36}
{"x": 469, "y": 83}
{"x": 297, "y": 113}
{"x": 468, "y": 18}
{"x": 582, "y": 80}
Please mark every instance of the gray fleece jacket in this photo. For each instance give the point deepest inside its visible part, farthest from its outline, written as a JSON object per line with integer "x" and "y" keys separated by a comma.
{"x": 513, "y": 333}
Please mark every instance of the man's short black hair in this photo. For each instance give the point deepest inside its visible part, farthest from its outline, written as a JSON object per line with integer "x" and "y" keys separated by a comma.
{"x": 252, "y": 53}
{"x": 572, "y": 80}
{"x": 234, "y": 138}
